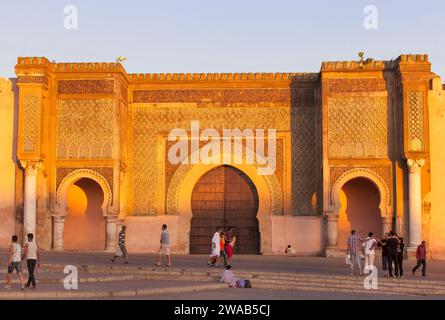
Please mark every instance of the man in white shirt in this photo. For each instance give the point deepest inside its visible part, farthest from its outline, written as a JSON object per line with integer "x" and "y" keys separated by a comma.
{"x": 369, "y": 243}
{"x": 214, "y": 254}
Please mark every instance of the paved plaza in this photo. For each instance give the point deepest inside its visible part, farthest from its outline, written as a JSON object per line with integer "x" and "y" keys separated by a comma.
{"x": 273, "y": 278}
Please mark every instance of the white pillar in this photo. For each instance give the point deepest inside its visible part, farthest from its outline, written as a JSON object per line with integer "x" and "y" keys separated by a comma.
{"x": 415, "y": 201}
{"x": 30, "y": 196}
{"x": 58, "y": 232}
{"x": 386, "y": 224}
{"x": 332, "y": 234}
{"x": 110, "y": 233}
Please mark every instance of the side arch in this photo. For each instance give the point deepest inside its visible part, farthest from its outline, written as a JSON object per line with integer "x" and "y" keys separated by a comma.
{"x": 76, "y": 175}
{"x": 376, "y": 179}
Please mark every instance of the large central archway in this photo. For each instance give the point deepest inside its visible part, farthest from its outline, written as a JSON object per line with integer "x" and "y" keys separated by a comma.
{"x": 225, "y": 197}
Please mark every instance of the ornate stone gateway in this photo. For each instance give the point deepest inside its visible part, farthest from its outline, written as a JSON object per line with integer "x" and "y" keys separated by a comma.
{"x": 225, "y": 197}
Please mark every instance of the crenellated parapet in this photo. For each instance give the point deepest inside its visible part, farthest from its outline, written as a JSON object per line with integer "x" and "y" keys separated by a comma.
{"x": 143, "y": 77}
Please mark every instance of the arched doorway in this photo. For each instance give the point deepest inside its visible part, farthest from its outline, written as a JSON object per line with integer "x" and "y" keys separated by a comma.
{"x": 225, "y": 197}
{"x": 360, "y": 200}
{"x": 84, "y": 221}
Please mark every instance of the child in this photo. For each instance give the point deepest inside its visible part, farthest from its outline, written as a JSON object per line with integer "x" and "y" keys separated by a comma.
{"x": 222, "y": 252}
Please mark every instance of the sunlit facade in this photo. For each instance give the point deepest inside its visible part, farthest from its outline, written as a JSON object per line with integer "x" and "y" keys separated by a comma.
{"x": 358, "y": 146}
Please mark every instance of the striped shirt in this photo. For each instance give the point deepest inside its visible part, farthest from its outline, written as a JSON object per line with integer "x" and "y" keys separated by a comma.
{"x": 354, "y": 244}
{"x": 121, "y": 241}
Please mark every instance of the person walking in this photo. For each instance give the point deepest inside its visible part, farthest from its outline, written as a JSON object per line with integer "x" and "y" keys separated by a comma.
{"x": 31, "y": 254}
{"x": 421, "y": 258}
{"x": 214, "y": 254}
{"x": 400, "y": 256}
{"x": 230, "y": 243}
{"x": 354, "y": 253}
{"x": 14, "y": 262}
{"x": 393, "y": 243}
{"x": 121, "y": 245}
{"x": 165, "y": 247}
{"x": 369, "y": 244}
{"x": 222, "y": 246}
{"x": 382, "y": 244}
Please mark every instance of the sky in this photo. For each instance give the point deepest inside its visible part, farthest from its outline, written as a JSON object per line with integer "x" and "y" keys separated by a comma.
{"x": 220, "y": 36}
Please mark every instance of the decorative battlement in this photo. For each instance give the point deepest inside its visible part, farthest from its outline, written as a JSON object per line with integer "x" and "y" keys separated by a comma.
{"x": 88, "y": 67}
{"x": 366, "y": 65}
{"x": 337, "y": 66}
{"x": 33, "y": 61}
{"x": 414, "y": 58}
{"x": 140, "y": 77}
{"x": 373, "y": 65}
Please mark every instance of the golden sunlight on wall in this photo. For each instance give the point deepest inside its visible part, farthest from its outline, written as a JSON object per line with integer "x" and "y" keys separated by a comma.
{"x": 437, "y": 141}
{"x": 84, "y": 224}
{"x": 7, "y": 175}
{"x": 360, "y": 201}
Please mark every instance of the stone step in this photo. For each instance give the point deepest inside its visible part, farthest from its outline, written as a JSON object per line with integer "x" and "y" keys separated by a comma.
{"x": 294, "y": 283}
{"x": 78, "y": 294}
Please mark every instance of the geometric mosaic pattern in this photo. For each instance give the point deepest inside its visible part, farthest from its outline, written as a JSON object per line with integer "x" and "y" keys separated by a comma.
{"x": 84, "y": 129}
{"x": 358, "y": 127}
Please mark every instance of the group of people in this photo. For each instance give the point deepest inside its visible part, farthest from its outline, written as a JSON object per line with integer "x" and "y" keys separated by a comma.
{"x": 164, "y": 248}
{"x": 393, "y": 251}
{"x": 222, "y": 248}
{"x": 18, "y": 253}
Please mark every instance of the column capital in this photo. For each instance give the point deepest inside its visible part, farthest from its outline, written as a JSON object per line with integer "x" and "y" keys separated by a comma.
{"x": 31, "y": 166}
{"x": 415, "y": 165}
{"x": 59, "y": 218}
{"x": 330, "y": 215}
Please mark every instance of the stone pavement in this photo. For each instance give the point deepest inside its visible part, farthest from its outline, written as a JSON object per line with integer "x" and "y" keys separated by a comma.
{"x": 299, "y": 276}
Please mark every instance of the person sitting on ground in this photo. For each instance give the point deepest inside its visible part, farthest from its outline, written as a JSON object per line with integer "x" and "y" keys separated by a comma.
{"x": 290, "y": 251}
{"x": 229, "y": 278}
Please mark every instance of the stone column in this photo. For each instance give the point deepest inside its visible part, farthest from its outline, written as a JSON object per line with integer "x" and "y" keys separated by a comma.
{"x": 332, "y": 233}
{"x": 415, "y": 201}
{"x": 30, "y": 196}
{"x": 110, "y": 233}
{"x": 58, "y": 232}
{"x": 386, "y": 225}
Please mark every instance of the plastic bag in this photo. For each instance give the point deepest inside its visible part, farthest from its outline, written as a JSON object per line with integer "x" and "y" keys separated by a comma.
{"x": 348, "y": 259}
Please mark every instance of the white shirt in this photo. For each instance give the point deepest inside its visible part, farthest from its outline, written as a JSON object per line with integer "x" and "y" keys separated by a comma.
{"x": 32, "y": 251}
{"x": 229, "y": 278}
{"x": 16, "y": 252}
{"x": 215, "y": 245}
{"x": 368, "y": 244}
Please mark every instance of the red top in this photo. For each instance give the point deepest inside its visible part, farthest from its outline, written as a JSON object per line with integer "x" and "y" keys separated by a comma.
{"x": 421, "y": 253}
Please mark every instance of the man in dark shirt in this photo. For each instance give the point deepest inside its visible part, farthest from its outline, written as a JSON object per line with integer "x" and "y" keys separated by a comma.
{"x": 382, "y": 244}
{"x": 392, "y": 244}
{"x": 122, "y": 247}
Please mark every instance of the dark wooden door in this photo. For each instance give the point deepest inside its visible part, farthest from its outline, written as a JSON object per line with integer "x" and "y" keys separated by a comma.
{"x": 225, "y": 197}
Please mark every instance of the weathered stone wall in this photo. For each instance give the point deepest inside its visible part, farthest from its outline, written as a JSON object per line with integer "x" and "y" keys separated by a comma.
{"x": 7, "y": 180}
{"x": 436, "y": 237}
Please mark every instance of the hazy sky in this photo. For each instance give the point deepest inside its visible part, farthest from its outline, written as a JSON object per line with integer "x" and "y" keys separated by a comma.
{"x": 220, "y": 36}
